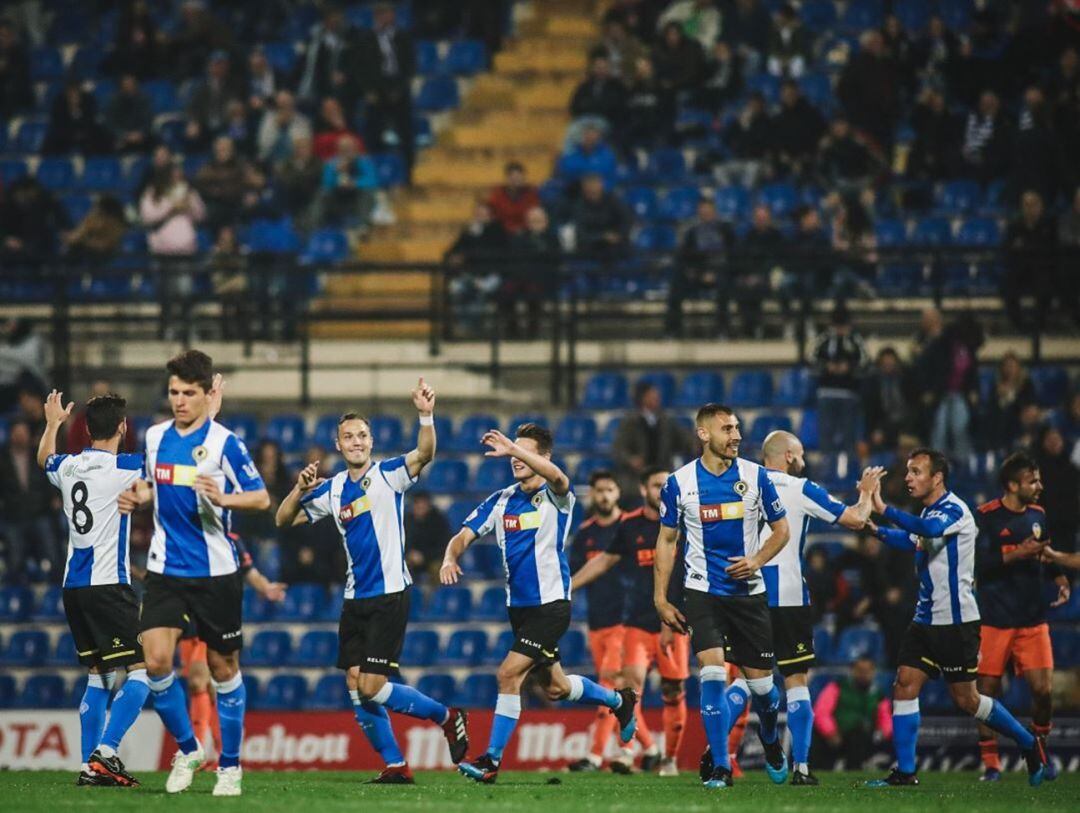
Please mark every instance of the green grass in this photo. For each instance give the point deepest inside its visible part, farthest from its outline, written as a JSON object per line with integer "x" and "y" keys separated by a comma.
{"x": 523, "y": 792}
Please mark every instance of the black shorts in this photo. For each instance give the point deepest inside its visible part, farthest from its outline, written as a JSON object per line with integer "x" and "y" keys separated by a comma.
{"x": 793, "y": 639}
{"x": 371, "y": 632}
{"x": 537, "y": 630}
{"x": 949, "y": 650}
{"x": 739, "y": 625}
{"x": 104, "y": 623}
{"x": 214, "y": 604}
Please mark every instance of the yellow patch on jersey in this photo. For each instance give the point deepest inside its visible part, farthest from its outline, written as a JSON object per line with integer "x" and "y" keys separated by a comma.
{"x": 354, "y": 509}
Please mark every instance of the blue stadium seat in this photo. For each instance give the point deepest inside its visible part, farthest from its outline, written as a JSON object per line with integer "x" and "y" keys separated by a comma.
{"x": 51, "y": 605}
{"x": 956, "y": 14}
{"x": 327, "y": 246}
{"x": 667, "y": 165}
{"x": 256, "y": 608}
{"x": 243, "y": 425}
{"x": 465, "y": 648}
{"x": 26, "y": 648}
{"x": 162, "y": 95}
{"x": 42, "y": 692}
{"x": 701, "y": 387}
{"x": 1051, "y": 385}
{"x": 679, "y": 204}
{"x": 766, "y": 84}
{"x": 502, "y": 645}
{"x": 269, "y": 648}
{"x": 978, "y": 231}
{"x": 491, "y": 475}
{"x": 642, "y": 201}
{"x": 12, "y": 169}
{"x": 890, "y": 233}
{"x": 932, "y": 231}
{"x": 86, "y": 62}
{"x": 437, "y": 94}
{"x": 287, "y": 431}
{"x": 438, "y": 686}
{"x": 470, "y": 430}
{"x": 456, "y": 514}
{"x": 282, "y": 56}
{"x": 16, "y": 603}
{"x": 466, "y": 57}
{"x": 732, "y": 202}
{"x": 1017, "y": 696}
{"x": 317, "y": 648}
{"x": 77, "y": 206}
{"x": 329, "y": 694}
{"x": 171, "y": 131}
{"x": 444, "y": 429}
{"x": 576, "y": 433}
{"x": 428, "y": 60}
{"x": 31, "y": 136}
{"x": 863, "y": 14}
{"x": 325, "y": 431}
{"x": 447, "y": 476}
{"x": 332, "y": 609}
{"x": 1069, "y": 611}
{"x": 252, "y": 685}
{"x": 823, "y": 644}
{"x": 487, "y": 558}
{"x": 423, "y": 134}
{"x": 272, "y": 237}
{"x": 7, "y": 691}
{"x": 794, "y": 388}
{"x": 935, "y": 697}
{"x": 751, "y": 388}
{"x": 387, "y": 433}
{"x": 573, "y": 650}
{"x": 662, "y": 381}
{"x": 1066, "y": 646}
{"x": 957, "y": 197}
{"x": 420, "y": 648}
{"x": 56, "y": 174}
{"x": 854, "y": 642}
{"x": 539, "y": 418}
{"x": 390, "y": 168}
{"x": 492, "y": 606}
{"x": 477, "y": 691}
{"x": 656, "y": 238}
{"x": 606, "y": 390}
{"x": 780, "y": 197}
{"x": 103, "y": 174}
{"x": 449, "y": 604}
{"x": 818, "y": 90}
{"x": 283, "y": 692}
{"x": 303, "y": 602}
{"x": 818, "y": 15}
{"x": 46, "y": 64}
{"x": 764, "y": 424}
{"x": 913, "y": 14}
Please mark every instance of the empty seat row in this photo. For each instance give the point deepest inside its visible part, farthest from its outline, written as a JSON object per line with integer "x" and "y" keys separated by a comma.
{"x": 794, "y": 387}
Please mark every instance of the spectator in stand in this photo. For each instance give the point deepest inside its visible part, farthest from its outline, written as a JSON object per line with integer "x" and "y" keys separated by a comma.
{"x": 789, "y": 45}
{"x": 839, "y": 356}
{"x": 747, "y": 28}
{"x": 229, "y": 185}
{"x": 78, "y": 434}
{"x": 388, "y": 64}
{"x": 331, "y": 61}
{"x": 722, "y": 80}
{"x": 679, "y": 61}
{"x": 16, "y": 89}
{"x": 820, "y": 582}
{"x": 511, "y": 202}
{"x": 1069, "y": 424}
{"x": 747, "y": 138}
{"x": 139, "y": 47}
{"x": 622, "y": 48}
{"x": 601, "y": 221}
{"x": 701, "y": 266}
{"x": 811, "y": 271}
{"x": 74, "y": 125}
{"x": 887, "y": 401}
{"x": 1061, "y": 488}
{"x": 591, "y": 156}
{"x": 529, "y": 279}
{"x": 28, "y": 518}
{"x": 700, "y": 20}
{"x": 1036, "y": 160}
{"x": 935, "y": 54}
{"x": 239, "y": 128}
{"x": 22, "y": 361}
{"x": 1068, "y": 284}
{"x": 899, "y": 48}
{"x": 987, "y": 140}
{"x": 208, "y": 105}
{"x": 797, "y": 130}
{"x": 259, "y": 525}
{"x": 296, "y": 184}
{"x": 598, "y": 101}
{"x": 637, "y": 16}
{"x": 843, "y": 161}
{"x": 280, "y": 127}
{"x": 754, "y": 264}
{"x": 935, "y": 153}
{"x": 427, "y": 531}
{"x": 869, "y": 90}
{"x": 30, "y": 400}
{"x": 130, "y": 117}
{"x": 1012, "y": 391}
{"x": 332, "y": 127}
{"x": 160, "y": 158}
{"x": 849, "y": 714}
{"x": 853, "y": 243}
{"x": 1031, "y": 242}
{"x": 650, "y": 112}
{"x": 98, "y": 237}
{"x": 474, "y": 262}
{"x": 1063, "y": 94}
{"x": 263, "y": 83}
{"x": 951, "y": 379}
{"x": 648, "y": 437}
{"x": 31, "y": 220}
{"x": 228, "y": 270}
{"x": 347, "y": 190}
{"x": 201, "y": 34}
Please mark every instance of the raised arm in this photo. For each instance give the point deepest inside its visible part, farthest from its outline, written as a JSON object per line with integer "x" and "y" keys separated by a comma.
{"x": 931, "y": 526}
{"x": 855, "y": 516}
{"x": 502, "y": 446}
{"x": 450, "y": 571}
{"x": 663, "y": 565}
{"x": 289, "y": 512}
{"x": 424, "y": 400}
{"x": 55, "y": 415}
{"x": 594, "y": 569}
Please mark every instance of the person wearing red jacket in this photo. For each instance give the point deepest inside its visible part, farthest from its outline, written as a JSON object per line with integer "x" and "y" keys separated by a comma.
{"x": 512, "y": 201}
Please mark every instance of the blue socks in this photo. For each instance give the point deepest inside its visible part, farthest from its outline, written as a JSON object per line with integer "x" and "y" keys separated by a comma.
{"x": 126, "y": 707}
{"x": 765, "y": 698}
{"x": 407, "y": 700}
{"x": 171, "y": 706}
{"x": 92, "y": 709}
{"x": 375, "y": 723}
{"x": 800, "y": 722}
{"x": 736, "y": 697}
{"x": 906, "y": 719}
{"x": 715, "y": 713}
{"x": 507, "y": 711}
{"x": 590, "y": 693}
{"x": 231, "y": 703}
{"x": 998, "y": 718}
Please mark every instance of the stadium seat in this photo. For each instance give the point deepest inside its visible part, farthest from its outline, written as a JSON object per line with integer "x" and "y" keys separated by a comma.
{"x": 818, "y": 15}
{"x": 958, "y": 197}
{"x": 764, "y": 424}
{"x": 465, "y": 648}
{"x": 497, "y": 653}
{"x": 491, "y": 476}
{"x": 420, "y": 648}
{"x": 333, "y": 607}
{"x": 679, "y": 204}
{"x": 1051, "y": 385}
{"x": 325, "y": 431}
{"x": 102, "y": 174}
{"x": 662, "y": 381}
{"x": 794, "y": 388}
{"x": 751, "y": 388}
{"x": 823, "y": 644}
{"x": 329, "y": 694}
{"x": 1069, "y": 611}
{"x": 77, "y": 206}
{"x": 855, "y": 642}
{"x": 978, "y": 231}
{"x": 732, "y": 203}
{"x": 472, "y": 428}
{"x": 956, "y": 14}
{"x": 42, "y": 692}
{"x": 818, "y": 90}
{"x": 643, "y": 202}
{"x": 46, "y": 64}
{"x": 11, "y": 170}
{"x": 269, "y": 648}
{"x": 449, "y": 604}
{"x": 606, "y": 390}
{"x": 656, "y": 238}
{"x": 387, "y": 433}
{"x": 890, "y": 233}
{"x": 252, "y": 685}
{"x": 283, "y": 692}
{"x": 327, "y": 246}
{"x": 51, "y": 605}
{"x": 573, "y": 650}
{"x": 317, "y": 648}
{"x": 447, "y": 477}
{"x": 86, "y": 62}
{"x": 935, "y": 697}
{"x": 438, "y": 686}
{"x": 26, "y": 648}
{"x": 303, "y": 602}
{"x": 477, "y": 691}
{"x": 781, "y": 198}
{"x": 486, "y": 559}
{"x": 444, "y": 430}
{"x": 282, "y": 56}
{"x": 56, "y": 174}
{"x": 932, "y": 231}
{"x": 31, "y": 136}
{"x": 539, "y": 418}
{"x": 287, "y": 431}
{"x": 913, "y": 14}
{"x": 437, "y": 94}
{"x": 701, "y": 387}
{"x": 456, "y": 514}
{"x": 8, "y": 695}
{"x": 666, "y": 165}
{"x": 766, "y": 84}
{"x": 16, "y": 603}
{"x": 244, "y": 426}
{"x": 390, "y": 168}
{"x": 576, "y": 433}
{"x": 428, "y": 60}
{"x": 492, "y": 606}
{"x": 257, "y": 608}
{"x": 273, "y": 237}
{"x": 863, "y": 14}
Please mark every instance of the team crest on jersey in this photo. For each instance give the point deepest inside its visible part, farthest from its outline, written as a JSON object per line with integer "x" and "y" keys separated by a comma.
{"x": 199, "y": 454}
{"x": 539, "y": 498}
{"x": 365, "y": 483}
{"x": 740, "y": 488}
{"x": 1036, "y": 530}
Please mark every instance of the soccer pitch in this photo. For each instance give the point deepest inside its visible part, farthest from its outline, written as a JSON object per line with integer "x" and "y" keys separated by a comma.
{"x": 524, "y": 792}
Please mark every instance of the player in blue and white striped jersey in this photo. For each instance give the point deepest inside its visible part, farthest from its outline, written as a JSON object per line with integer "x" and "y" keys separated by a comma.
{"x": 531, "y": 523}
{"x": 200, "y": 473}
{"x": 717, "y": 503}
{"x": 101, "y": 608}
{"x": 366, "y": 502}
{"x": 944, "y": 636}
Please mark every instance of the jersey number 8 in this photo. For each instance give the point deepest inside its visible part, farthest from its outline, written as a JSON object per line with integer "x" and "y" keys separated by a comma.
{"x": 81, "y": 517}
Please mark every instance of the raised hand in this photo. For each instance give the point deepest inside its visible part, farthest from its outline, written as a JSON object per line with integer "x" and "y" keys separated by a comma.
{"x": 217, "y": 391}
{"x": 871, "y": 477}
{"x": 878, "y": 502}
{"x": 423, "y": 397}
{"x": 501, "y": 445}
{"x": 55, "y": 411}
{"x": 309, "y": 477}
